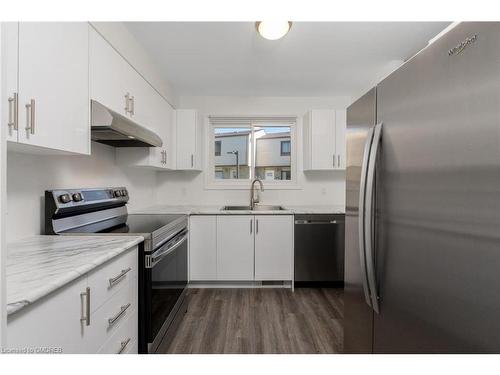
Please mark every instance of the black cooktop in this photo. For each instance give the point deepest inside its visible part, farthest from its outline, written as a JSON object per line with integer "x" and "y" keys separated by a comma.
{"x": 131, "y": 224}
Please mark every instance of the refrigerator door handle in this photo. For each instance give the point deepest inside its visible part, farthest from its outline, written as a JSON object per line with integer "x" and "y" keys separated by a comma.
{"x": 361, "y": 218}
{"x": 369, "y": 217}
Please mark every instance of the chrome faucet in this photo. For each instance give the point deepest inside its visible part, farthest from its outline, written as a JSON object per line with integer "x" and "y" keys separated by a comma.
{"x": 252, "y": 197}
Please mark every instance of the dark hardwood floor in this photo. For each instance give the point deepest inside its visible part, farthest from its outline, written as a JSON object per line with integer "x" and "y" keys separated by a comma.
{"x": 258, "y": 321}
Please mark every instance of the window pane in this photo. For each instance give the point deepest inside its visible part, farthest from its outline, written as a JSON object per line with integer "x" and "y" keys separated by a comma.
{"x": 232, "y": 153}
{"x": 273, "y": 153}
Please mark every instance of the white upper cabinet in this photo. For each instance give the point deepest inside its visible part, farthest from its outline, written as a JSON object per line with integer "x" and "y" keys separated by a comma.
{"x": 118, "y": 86}
{"x": 188, "y": 134}
{"x": 340, "y": 141}
{"x": 324, "y": 140}
{"x": 10, "y": 108}
{"x": 46, "y": 67}
{"x": 109, "y": 73}
{"x": 161, "y": 122}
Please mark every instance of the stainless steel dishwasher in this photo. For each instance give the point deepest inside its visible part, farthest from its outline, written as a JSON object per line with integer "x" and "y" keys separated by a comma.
{"x": 319, "y": 250}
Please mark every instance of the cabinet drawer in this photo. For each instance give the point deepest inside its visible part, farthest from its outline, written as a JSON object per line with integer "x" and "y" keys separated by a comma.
{"x": 111, "y": 277}
{"x": 124, "y": 339}
{"x": 118, "y": 308}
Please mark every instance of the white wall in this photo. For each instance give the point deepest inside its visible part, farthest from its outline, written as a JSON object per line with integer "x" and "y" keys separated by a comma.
{"x": 315, "y": 187}
{"x": 28, "y": 176}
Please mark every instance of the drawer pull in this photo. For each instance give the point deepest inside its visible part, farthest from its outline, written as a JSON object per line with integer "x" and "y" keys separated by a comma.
{"x": 123, "y": 345}
{"x": 117, "y": 279}
{"x": 114, "y": 319}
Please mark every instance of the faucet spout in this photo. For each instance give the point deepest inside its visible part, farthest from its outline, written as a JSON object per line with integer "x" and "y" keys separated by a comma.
{"x": 252, "y": 187}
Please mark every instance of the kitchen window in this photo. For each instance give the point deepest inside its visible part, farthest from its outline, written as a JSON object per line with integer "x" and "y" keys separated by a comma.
{"x": 241, "y": 149}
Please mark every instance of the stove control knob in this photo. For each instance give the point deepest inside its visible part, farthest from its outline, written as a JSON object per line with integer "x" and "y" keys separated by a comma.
{"x": 124, "y": 193}
{"x": 65, "y": 198}
{"x": 118, "y": 193}
{"x": 77, "y": 197}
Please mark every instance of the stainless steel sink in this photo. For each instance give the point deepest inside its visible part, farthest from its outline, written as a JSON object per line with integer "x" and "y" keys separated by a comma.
{"x": 256, "y": 208}
{"x": 236, "y": 208}
{"x": 263, "y": 207}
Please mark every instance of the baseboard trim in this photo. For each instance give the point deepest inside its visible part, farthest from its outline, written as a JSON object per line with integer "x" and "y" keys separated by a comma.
{"x": 240, "y": 284}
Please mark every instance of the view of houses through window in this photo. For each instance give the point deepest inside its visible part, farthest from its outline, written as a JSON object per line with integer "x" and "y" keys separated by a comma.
{"x": 245, "y": 152}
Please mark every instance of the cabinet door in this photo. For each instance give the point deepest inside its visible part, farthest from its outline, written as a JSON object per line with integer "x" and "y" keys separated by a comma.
{"x": 9, "y": 79}
{"x": 109, "y": 73}
{"x": 54, "y": 85}
{"x": 186, "y": 138}
{"x": 322, "y": 138}
{"x": 273, "y": 247}
{"x": 235, "y": 247}
{"x": 162, "y": 125}
{"x": 52, "y": 322}
{"x": 340, "y": 142}
{"x": 202, "y": 248}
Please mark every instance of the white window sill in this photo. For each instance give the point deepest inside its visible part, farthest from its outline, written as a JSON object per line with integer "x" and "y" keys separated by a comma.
{"x": 246, "y": 186}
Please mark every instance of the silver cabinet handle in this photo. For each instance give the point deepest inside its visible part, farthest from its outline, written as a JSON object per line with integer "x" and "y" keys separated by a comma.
{"x": 127, "y": 103}
{"x": 333, "y": 163}
{"x": 132, "y": 107}
{"x": 13, "y": 112}
{"x": 192, "y": 160}
{"x": 115, "y": 280}
{"x": 165, "y": 151}
{"x": 251, "y": 226}
{"x": 369, "y": 217}
{"x": 361, "y": 218}
{"x": 257, "y": 226}
{"x": 30, "y": 116}
{"x": 86, "y": 318}
{"x": 162, "y": 156}
{"x": 115, "y": 318}
{"x": 338, "y": 160}
{"x": 123, "y": 345}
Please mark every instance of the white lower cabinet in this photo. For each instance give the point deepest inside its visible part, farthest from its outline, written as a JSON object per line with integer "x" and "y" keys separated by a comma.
{"x": 273, "y": 247}
{"x": 203, "y": 248}
{"x": 96, "y": 313}
{"x": 235, "y": 243}
{"x": 241, "y": 247}
{"x": 51, "y": 323}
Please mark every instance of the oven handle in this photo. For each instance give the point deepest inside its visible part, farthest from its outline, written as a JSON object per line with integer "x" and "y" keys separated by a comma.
{"x": 162, "y": 253}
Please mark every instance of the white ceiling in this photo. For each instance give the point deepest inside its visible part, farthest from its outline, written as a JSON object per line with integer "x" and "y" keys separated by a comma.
{"x": 314, "y": 59}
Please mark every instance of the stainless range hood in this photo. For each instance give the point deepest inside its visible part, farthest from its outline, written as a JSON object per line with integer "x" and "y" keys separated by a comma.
{"x": 114, "y": 129}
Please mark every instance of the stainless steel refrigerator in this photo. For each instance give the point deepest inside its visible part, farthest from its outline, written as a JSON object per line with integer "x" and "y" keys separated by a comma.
{"x": 422, "y": 263}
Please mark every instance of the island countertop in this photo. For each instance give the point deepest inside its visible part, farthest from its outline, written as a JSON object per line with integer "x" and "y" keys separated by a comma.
{"x": 39, "y": 265}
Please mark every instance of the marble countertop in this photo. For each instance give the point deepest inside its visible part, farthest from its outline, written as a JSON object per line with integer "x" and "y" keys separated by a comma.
{"x": 216, "y": 210}
{"x": 39, "y": 265}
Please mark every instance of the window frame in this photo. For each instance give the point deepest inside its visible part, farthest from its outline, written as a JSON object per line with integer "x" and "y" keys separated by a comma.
{"x": 233, "y": 184}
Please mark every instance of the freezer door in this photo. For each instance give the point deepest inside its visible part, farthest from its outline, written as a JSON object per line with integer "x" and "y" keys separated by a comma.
{"x": 438, "y": 192}
{"x": 358, "y": 316}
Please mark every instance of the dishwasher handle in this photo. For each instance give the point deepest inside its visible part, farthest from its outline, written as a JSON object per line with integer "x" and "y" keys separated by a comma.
{"x": 317, "y": 222}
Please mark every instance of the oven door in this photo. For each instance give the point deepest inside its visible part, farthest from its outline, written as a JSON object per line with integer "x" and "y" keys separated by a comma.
{"x": 168, "y": 279}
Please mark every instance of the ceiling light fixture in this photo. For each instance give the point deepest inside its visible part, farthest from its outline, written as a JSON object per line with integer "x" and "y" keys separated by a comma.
{"x": 273, "y": 30}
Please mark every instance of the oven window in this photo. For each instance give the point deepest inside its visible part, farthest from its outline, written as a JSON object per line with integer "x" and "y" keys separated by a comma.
{"x": 168, "y": 279}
